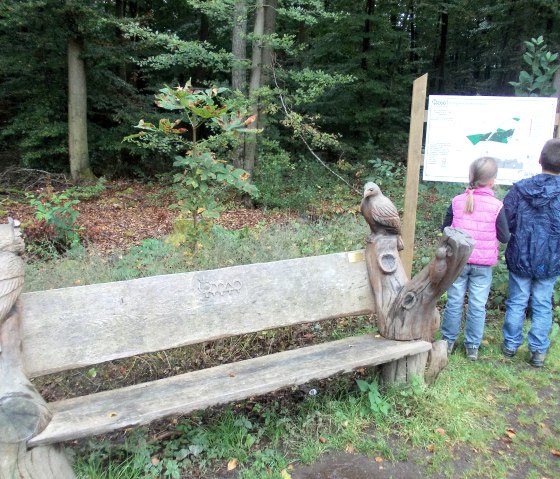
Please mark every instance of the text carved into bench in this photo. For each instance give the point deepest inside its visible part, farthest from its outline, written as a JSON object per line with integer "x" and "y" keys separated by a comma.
{"x": 213, "y": 288}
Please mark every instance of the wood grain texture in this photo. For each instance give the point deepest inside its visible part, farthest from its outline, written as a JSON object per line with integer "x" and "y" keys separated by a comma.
{"x": 437, "y": 360}
{"x": 110, "y": 410}
{"x": 48, "y": 462}
{"x": 414, "y": 160}
{"x": 406, "y": 310}
{"x": 75, "y": 327}
{"x": 23, "y": 412}
{"x": 402, "y": 370}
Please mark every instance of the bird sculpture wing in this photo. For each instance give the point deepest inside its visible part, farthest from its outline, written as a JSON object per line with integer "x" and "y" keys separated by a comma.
{"x": 384, "y": 212}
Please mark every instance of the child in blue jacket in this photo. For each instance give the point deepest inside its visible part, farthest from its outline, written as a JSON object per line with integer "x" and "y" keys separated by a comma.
{"x": 532, "y": 208}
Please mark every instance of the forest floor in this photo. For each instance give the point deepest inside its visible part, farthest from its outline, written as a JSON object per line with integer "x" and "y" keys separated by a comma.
{"x": 127, "y": 212}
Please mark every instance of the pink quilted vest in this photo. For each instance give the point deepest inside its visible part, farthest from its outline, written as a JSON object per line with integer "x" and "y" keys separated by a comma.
{"x": 480, "y": 224}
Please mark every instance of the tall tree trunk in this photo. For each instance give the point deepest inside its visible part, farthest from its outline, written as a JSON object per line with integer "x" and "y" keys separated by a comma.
{"x": 269, "y": 29}
{"x": 439, "y": 62}
{"x": 239, "y": 47}
{"x": 267, "y": 53}
{"x": 239, "y": 65}
{"x": 203, "y": 31}
{"x": 77, "y": 112}
{"x": 366, "y": 42}
{"x": 412, "y": 32}
{"x": 255, "y": 83}
{"x": 119, "y": 13}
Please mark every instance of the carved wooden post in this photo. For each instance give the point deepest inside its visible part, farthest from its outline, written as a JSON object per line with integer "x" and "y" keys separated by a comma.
{"x": 406, "y": 309}
{"x": 23, "y": 412}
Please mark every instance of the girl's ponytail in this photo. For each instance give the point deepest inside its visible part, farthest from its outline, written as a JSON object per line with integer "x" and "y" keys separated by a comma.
{"x": 481, "y": 173}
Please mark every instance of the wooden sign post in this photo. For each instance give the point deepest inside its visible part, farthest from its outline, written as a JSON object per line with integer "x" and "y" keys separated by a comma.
{"x": 417, "y": 115}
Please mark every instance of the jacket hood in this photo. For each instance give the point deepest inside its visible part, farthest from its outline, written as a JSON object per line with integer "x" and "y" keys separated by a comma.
{"x": 540, "y": 190}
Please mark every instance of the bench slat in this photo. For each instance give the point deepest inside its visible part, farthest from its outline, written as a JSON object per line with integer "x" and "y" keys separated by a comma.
{"x": 84, "y": 325}
{"x": 135, "y": 405}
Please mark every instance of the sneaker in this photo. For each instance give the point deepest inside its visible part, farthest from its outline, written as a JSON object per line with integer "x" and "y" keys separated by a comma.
{"x": 450, "y": 347}
{"x": 508, "y": 353}
{"x": 537, "y": 359}
{"x": 472, "y": 353}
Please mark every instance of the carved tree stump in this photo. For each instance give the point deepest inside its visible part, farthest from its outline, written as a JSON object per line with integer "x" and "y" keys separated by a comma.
{"x": 23, "y": 412}
{"x": 406, "y": 309}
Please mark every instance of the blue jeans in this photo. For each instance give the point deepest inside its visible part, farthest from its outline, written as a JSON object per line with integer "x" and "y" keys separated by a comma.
{"x": 540, "y": 291}
{"x": 476, "y": 280}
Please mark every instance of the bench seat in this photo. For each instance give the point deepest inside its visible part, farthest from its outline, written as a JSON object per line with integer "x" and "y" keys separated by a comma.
{"x": 139, "y": 404}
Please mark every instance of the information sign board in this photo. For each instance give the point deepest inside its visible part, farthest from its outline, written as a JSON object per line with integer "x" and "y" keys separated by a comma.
{"x": 461, "y": 129}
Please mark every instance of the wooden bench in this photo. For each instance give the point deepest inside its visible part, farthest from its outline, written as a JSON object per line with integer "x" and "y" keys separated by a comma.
{"x": 63, "y": 329}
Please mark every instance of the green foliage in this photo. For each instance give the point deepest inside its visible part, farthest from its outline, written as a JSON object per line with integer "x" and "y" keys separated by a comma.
{"x": 56, "y": 228}
{"x": 390, "y": 176}
{"x": 150, "y": 258}
{"x": 87, "y": 192}
{"x": 376, "y": 403}
{"x": 199, "y": 169}
{"x": 538, "y": 81}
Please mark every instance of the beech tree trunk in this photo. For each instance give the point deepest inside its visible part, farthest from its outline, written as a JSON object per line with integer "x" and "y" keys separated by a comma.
{"x": 239, "y": 65}
{"x": 239, "y": 47}
{"x": 77, "y": 112}
{"x": 366, "y": 41}
{"x": 250, "y": 150}
{"x": 439, "y": 62}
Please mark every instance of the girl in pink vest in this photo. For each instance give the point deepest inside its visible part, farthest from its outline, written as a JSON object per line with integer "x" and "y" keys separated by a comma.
{"x": 479, "y": 213}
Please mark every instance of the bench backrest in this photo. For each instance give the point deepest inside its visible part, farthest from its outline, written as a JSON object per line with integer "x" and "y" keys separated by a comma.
{"x": 84, "y": 325}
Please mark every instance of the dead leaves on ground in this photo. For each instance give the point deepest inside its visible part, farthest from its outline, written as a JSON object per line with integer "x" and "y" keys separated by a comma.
{"x": 128, "y": 212}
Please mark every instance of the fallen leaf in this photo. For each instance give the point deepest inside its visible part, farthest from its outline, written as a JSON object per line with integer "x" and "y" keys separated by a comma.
{"x": 112, "y": 414}
{"x": 285, "y": 474}
{"x": 431, "y": 448}
{"x": 349, "y": 449}
{"x": 510, "y": 433}
{"x": 232, "y": 464}
{"x": 378, "y": 459}
{"x": 555, "y": 452}
{"x": 440, "y": 430}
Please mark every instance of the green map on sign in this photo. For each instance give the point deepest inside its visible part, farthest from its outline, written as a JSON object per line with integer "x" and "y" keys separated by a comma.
{"x": 499, "y": 135}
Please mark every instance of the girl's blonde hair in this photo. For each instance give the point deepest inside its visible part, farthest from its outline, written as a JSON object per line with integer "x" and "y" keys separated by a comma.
{"x": 481, "y": 173}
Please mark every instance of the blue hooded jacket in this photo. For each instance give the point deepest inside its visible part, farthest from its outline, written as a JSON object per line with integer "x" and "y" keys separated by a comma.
{"x": 532, "y": 208}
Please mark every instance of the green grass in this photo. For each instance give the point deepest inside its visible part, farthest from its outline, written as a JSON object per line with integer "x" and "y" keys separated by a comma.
{"x": 223, "y": 248}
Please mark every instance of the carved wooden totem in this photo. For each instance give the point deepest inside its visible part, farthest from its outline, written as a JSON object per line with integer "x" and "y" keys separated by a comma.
{"x": 23, "y": 412}
{"x": 406, "y": 309}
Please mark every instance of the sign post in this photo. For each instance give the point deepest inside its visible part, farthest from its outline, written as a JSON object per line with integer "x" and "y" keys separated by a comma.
{"x": 414, "y": 161}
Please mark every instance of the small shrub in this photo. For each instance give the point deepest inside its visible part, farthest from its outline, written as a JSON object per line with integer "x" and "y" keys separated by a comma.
{"x": 56, "y": 229}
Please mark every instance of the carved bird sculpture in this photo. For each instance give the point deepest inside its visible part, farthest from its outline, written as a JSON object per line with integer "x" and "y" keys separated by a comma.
{"x": 380, "y": 213}
{"x": 11, "y": 266}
